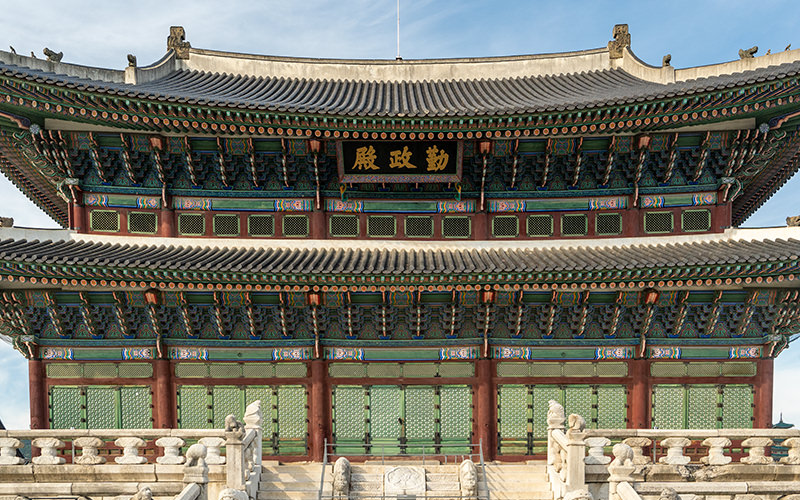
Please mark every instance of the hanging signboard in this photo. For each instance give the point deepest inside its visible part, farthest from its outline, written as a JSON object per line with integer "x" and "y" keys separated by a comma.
{"x": 399, "y": 161}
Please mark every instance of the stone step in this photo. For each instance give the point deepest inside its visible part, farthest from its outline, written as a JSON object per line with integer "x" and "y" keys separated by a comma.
{"x": 288, "y": 486}
{"x": 289, "y": 495}
{"x": 521, "y": 495}
{"x": 517, "y": 486}
{"x": 440, "y": 477}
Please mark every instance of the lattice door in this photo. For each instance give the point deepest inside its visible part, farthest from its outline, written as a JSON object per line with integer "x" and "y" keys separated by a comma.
{"x": 668, "y": 406}
{"x": 291, "y": 425}
{"x": 101, "y": 407}
{"x": 65, "y": 408}
{"x": 420, "y": 415}
{"x": 350, "y": 416}
{"x": 455, "y": 419}
{"x": 386, "y": 425}
{"x": 737, "y": 406}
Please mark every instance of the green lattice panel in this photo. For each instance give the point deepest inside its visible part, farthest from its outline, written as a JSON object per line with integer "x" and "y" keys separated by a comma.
{"x": 386, "y": 404}
{"x": 135, "y": 405}
{"x": 292, "y": 412}
{"x": 227, "y": 401}
{"x": 193, "y": 407}
{"x": 542, "y": 394}
{"x": 737, "y": 407}
{"x": 456, "y": 413}
{"x": 420, "y": 413}
{"x": 101, "y": 407}
{"x": 611, "y": 407}
{"x": 513, "y": 409}
{"x": 348, "y": 413}
{"x": 702, "y": 407}
{"x": 65, "y": 408}
{"x": 578, "y": 399}
{"x": 668, "y": 406}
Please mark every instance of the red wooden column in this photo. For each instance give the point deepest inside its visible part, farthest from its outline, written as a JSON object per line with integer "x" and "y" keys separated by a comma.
{"x": 38, "y": 394}
{"x": 166, "y": 223}
{"x": 318, "y": 410}
{"x": 638, "y": 394}
{"x": 485, "y": 407}
{"x": 164, "y": 415}
{"x": 318, "y": 228}
{"x": 762, "y": 418}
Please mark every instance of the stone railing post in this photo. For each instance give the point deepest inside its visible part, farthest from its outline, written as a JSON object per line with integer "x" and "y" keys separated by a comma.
{"x": 130, "y": 451}
{"x": 757, "y": 450}
{"x": 620, "y": 469}
{"x": 8, "y": 451}
{"x": 793, "y": 455}
{"x": 675, "y": 446}
{"x": 596, "y": 452}
{"x": 576, "y": 453}
{"x": 716, "y": 451}
{"x": 214, "y": 446}
{"x": 195, "y": 471}
{"x": 172, "y": 450}
{"x": 252, "y": 421}
{"x": 637, "y": 444}
{"x": 555, "y": 421}
{"x": 49, "y": 451}
{"x": 234, "y": 453}
{"x": 89, "y": 450}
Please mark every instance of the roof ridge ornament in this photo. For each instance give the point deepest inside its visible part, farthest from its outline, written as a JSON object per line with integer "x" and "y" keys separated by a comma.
{"x": 748, "y": 53}
{"x": 177, "y": 41}
{"x": 621, "y": 40}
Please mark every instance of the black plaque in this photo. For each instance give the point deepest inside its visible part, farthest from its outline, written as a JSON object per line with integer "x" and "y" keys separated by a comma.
{"x": 399, "y": 161}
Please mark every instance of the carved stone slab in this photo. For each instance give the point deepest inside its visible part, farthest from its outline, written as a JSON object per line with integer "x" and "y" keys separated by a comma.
{"x": 404, "y": 480}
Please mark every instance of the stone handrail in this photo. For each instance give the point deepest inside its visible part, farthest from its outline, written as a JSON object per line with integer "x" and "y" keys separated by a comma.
{"x": 715, "y": 441}
{"x": 565, "y": 452}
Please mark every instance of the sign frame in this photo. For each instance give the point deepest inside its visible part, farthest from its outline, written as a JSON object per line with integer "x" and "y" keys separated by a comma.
{"x": 402, "y": 176}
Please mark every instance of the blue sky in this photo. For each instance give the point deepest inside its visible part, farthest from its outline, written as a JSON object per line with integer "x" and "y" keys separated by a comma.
{"x": 102, "y": 33}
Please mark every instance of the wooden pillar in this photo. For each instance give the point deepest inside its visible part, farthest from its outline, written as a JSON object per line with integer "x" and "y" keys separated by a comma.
{"x": 318, "y": 410}
{"x": 480, "y": 226}
{"x": 318, "y": 228}
{"x": 38, "y": 394}
{"x": 639, "y": 394}
{"x": 166, "y": 226}
{"x": 164, "y": 415}
{"x": 762, "y": 417}
{"x": 485, "y": 420}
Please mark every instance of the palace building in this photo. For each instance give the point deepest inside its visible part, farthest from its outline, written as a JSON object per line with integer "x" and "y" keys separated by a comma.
{"x": 392, "y": 254}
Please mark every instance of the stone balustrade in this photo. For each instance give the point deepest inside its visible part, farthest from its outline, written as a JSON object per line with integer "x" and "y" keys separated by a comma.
{"x": 715, "y": 442}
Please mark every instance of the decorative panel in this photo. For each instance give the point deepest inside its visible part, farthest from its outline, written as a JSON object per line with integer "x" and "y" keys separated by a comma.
{"x": 65, "y": 408}
{"x": 578, "y": 399}
{"x": 292, "y": 412}
{"x": 456, "y": 413}
{"x": 135, "y": 407}
{"x": 542, "y": 394}
{"x": 702, "y": 407}
{"x": 611, "y": 407}
{"x": 668, "y": 404}
{"x": 385, "y": 412}
{"x": 737, "y": 406}
{"x": 227, "y": 401}
{"x": 420, "y": 410}
{"x": 101, "y": 407}
{"x": 193, "y": 407}
{"x": 348, "y": 413}
{"x": 513, "y": 411}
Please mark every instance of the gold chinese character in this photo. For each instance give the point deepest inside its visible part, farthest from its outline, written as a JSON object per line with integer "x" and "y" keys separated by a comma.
{"x": 437, "y": 159}
{"x": 365, "y": 159}
{"x": 400, "y": 159}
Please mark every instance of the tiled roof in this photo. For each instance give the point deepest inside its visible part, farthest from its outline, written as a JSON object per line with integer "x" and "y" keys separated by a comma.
{"x": 273, "y": 258}
{"x": 447, "y": 97}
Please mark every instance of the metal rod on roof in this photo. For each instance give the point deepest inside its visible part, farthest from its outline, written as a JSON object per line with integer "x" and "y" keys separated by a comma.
{"x": 398, "y": 31}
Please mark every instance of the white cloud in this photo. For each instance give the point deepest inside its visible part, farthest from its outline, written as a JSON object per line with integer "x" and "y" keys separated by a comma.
{"x": 14, "y": 409}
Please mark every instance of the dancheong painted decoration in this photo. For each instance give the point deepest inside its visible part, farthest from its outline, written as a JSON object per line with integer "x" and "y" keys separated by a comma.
{"x": 400, "y": 253}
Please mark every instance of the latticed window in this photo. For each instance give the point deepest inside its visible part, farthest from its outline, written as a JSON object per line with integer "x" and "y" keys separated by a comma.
{"x": 505, "y": 226}
{"x": 658, "y": 222}
{"x": 381, "y": 226}
{"x": 295, "y": 226}
{"x": 696, "y": 220}
{"x": 191, "y": 224}
{"x": 104, "y": 221}
{"x": 540, "y": 225}
{"x": 608, "y": 224}
{"x": 261, "y": 225}
{"x": 142, "y": 222}
{"x": 344, "y": 226}
{"x": 419, "y": 227}
{"x": 456, "y": 227}
{"x": 574, "y": 225}
{"x": 226, "y": 225}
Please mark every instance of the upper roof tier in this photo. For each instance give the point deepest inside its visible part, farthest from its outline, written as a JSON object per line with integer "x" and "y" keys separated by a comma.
{"x": 403, "y": 88}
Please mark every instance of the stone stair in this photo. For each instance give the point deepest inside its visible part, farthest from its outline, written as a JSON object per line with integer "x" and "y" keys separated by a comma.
{"x": 293, "y": 481}
{"x": 518, "y": 481}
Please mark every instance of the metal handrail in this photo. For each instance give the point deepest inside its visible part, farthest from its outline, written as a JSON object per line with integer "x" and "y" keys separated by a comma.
{"x": 423, "y": 454}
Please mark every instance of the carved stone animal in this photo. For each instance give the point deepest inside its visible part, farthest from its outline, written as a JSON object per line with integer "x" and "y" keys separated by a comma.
{"x": 341, "y": 478}
{"x": 668, "y": 494}
{"x": 234, "y": 426}
{"x": 555, "y": 414}
{"x": 577, "y": 423}
{"x": 196, "y": 455}
{"x": 748, "y": 53}
{"x": 623, "y": 455}
{"x": 143, "y": 494}
{"x": 131, "y": 60}
{"x": 468, "y": 479}
{"x": 6, "y": 222}
{"x": 231, "y": 494}
{"x": 793, "y": 221}
{"x": 666, "y": 60}
{"x": 53, "y": 56}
